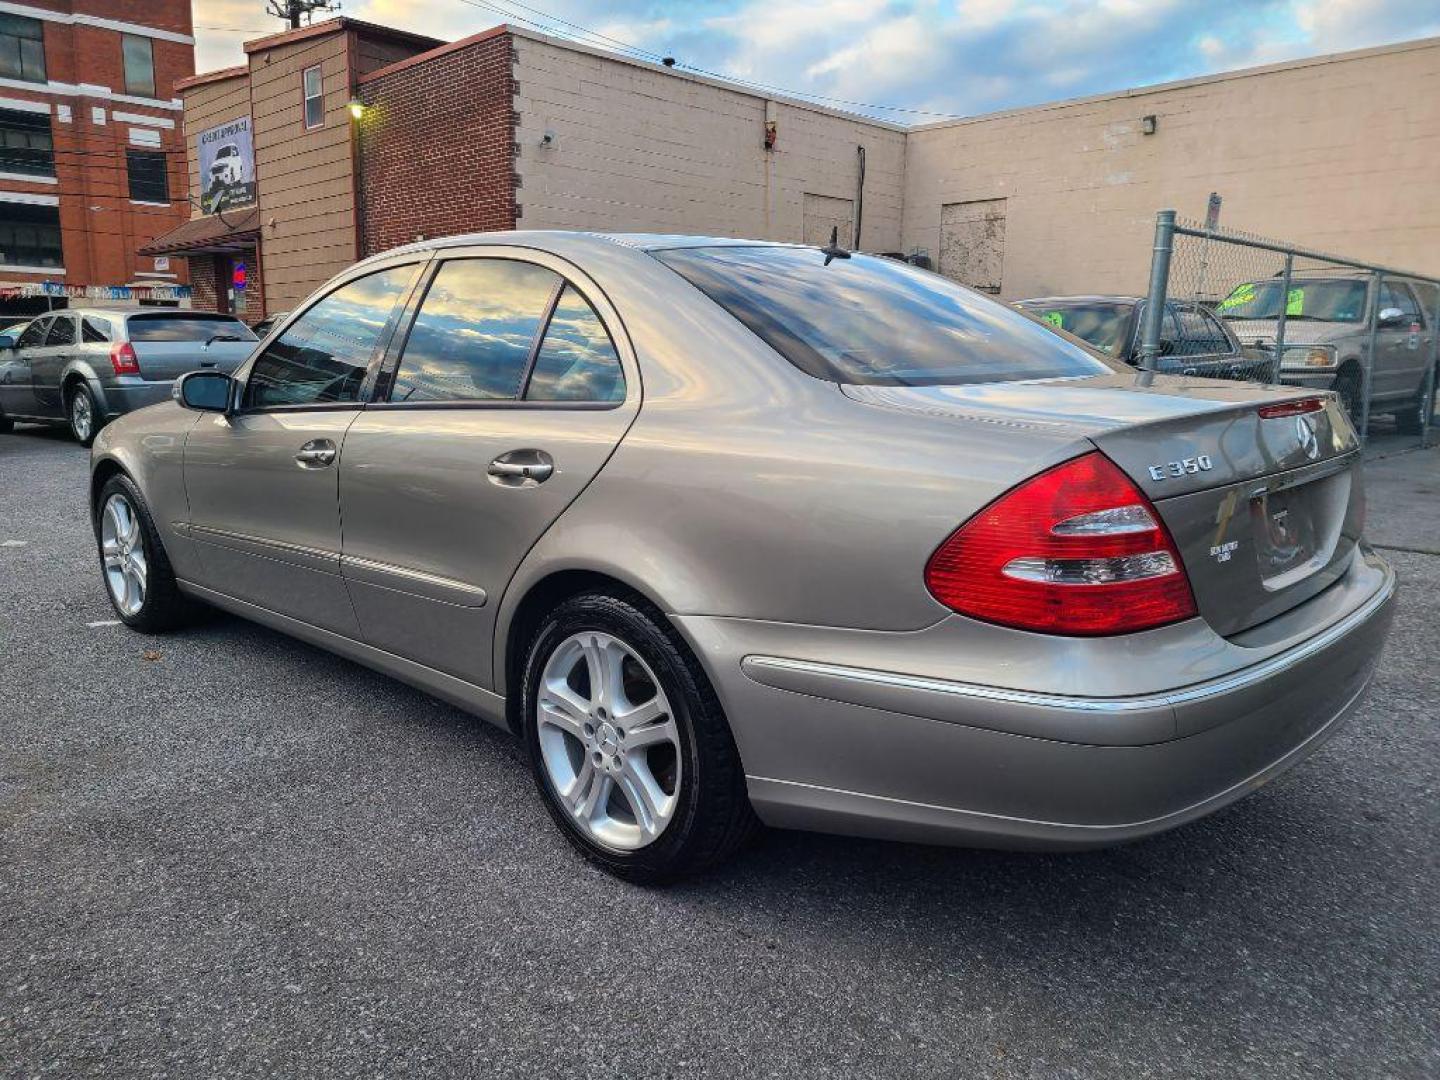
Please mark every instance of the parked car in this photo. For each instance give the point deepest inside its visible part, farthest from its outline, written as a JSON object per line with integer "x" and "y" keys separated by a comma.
{"x": 1327, "y": 333}
{"x": 84, "y": 367}
{"x": 1192, "y": 340}
{"x": 725, "y": 529}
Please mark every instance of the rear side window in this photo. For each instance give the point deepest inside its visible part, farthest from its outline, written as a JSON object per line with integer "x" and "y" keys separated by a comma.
{"x": 472, "y": 338}
{"x": 93, "y": 330}
{"x": 876, "y": 321}
{"x": 577, "y": 360}
{"x": 1102, "y": 323}
{"x": 62, "y": 331}
{"x": 322, "y": 356}
{"x": 185, "y": 327}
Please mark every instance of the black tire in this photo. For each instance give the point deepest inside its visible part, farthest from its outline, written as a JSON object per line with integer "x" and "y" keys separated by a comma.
{"x": 79, "y": 401}
{"x": 1350, "y": 386}
{"x": 6, "y": 424}
{"x": 712, "y": 818}
{"x": 164, "y": 607}
{"x": 1411, "y": 421}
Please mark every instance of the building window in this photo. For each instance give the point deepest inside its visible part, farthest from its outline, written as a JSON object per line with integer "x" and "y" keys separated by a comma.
{"x": 139, "y": 65}
{"x": 25, "y": 143}
{"x": 314, "y": 97}
{"x": 30, "y": 235}
{"x": 22, "y": 48}
{"x": 148, "y": 181}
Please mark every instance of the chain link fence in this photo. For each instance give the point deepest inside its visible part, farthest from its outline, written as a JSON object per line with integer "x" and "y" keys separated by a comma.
{"x": 1230, "y": 305}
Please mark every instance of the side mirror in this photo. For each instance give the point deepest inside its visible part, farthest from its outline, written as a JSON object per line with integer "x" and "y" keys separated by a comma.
{"x": 7, "y": 341}
{"x": 205, "y": 391}
{"x": 1391, "y": 316}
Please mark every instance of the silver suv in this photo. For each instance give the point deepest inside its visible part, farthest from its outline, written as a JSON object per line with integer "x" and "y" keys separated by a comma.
{"x": 84, "y": 367}
{"x": 1327, "y": 333}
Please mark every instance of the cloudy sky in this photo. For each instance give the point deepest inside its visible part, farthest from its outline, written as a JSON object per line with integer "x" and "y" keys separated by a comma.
{"x": 925, "y": 56}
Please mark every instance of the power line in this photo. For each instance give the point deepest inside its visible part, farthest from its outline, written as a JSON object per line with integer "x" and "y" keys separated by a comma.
{"x": 645, "y": 54}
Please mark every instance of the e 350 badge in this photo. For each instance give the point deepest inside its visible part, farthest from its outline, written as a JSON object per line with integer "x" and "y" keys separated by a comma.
{"x": 1197, "y": 464}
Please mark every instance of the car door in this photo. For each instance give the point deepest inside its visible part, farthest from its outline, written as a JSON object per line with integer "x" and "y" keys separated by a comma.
{"x": 511, "y": 389}
{"x": 17, "y": 390}
{"x": 262, "y": 481}
{"x": 1406, "y": 347}
{"x": 48, "y": 362}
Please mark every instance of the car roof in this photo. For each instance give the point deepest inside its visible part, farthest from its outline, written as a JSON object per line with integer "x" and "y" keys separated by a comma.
{"x": 560, "y": 241}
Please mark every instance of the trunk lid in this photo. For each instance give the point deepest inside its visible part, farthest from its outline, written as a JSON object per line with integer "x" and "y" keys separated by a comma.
{"x": 1266, "y": 512}
{"x": 167, "y": 344}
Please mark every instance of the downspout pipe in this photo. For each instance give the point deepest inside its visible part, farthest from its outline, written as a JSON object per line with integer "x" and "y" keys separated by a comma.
{"x": 859, "y": 197}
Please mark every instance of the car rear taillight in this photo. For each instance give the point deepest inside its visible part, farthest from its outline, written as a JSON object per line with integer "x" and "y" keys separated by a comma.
{"x": 1078, "y": 550}
{"x": 1292, "y": 408}
{"x": 124, "y": 360}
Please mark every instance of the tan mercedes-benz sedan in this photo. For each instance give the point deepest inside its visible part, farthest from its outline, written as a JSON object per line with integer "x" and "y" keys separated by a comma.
{"x": 731, "y": 531}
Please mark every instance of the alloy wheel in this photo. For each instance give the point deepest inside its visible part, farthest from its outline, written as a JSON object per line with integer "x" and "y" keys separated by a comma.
{"x": 122, "y": 547}
{"x": 608, "y": 740}
{"x": 82, "y": 417}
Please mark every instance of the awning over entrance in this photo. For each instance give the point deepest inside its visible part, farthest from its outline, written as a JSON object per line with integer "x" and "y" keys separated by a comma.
{"x": 214, "y": 234}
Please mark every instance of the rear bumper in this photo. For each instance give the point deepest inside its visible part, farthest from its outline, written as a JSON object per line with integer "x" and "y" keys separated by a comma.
{"x": 877, "y": 753}
{"x": 121, "y": 398}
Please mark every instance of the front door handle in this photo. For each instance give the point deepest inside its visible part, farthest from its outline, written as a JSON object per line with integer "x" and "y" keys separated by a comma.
{"x": 316, "y": 454}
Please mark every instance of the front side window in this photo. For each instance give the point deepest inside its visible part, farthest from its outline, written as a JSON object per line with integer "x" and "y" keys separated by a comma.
{"x": 139, "y": 65}
{"x": 577, "y": 360}
{"x": 1200, "y": 334}
{"x": 34, "y": 334}
{"x": 30, "y": 235}
{"x": 1394, "y": 294}
{"x": 472, "y": 337}
{"x": 22, "y": 48}
{"x": 26, "y": 145}
{"x": 314, "y": 97}
{"x": 1101, "y": 323}
{"x": 323, "y": 355}
{"x": 870, "y": 320}
{"x": 147, "y": 175}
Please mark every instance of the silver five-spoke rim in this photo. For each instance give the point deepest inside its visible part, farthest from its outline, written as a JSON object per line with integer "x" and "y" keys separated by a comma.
{"x": 123, "y": 548}
{"x": 608, "y": 740}
{"x": 80, "y": 415}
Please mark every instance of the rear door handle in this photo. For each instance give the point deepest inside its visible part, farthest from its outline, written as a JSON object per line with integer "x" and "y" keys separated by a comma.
{"x": 316, "y": 454}
{"x": 521, "y": 468}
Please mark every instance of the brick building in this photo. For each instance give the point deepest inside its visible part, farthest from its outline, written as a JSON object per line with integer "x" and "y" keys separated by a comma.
{"x": 91, "y": 161}
{"x": 416, "y": 138}
{"x": 280, "y": 212}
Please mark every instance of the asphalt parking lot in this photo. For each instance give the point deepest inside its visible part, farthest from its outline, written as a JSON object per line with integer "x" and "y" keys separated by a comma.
{"x": 225, "y": 853}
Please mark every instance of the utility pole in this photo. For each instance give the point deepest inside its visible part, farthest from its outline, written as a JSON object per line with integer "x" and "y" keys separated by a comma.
{"x": 293, "y": 11}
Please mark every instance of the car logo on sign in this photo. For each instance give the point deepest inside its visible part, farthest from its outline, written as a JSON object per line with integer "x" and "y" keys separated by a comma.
{"x": 1309, "y": 440}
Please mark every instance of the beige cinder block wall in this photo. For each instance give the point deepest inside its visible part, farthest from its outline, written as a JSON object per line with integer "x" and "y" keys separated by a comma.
{"x": 640, "y": 148}
{"x": 1340, "y": 153}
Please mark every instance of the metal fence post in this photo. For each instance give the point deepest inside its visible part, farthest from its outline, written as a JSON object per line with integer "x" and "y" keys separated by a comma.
{"x": 1430, "y": 373}
{"x": 1281, "y": 317}
{"x": 1368, "y": 372}
{"x": 1159, "y": 282}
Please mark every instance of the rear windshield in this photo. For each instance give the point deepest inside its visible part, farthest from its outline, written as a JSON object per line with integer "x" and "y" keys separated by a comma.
{"x": 876, "y": 321}
{"x": 1100, "y": 322}
{"x": 1323, "y": 301}
{"x": 187, "y": 327}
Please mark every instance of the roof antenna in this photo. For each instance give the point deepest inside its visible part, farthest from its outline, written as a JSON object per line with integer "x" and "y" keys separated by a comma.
{"x": 833, "y": 250}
